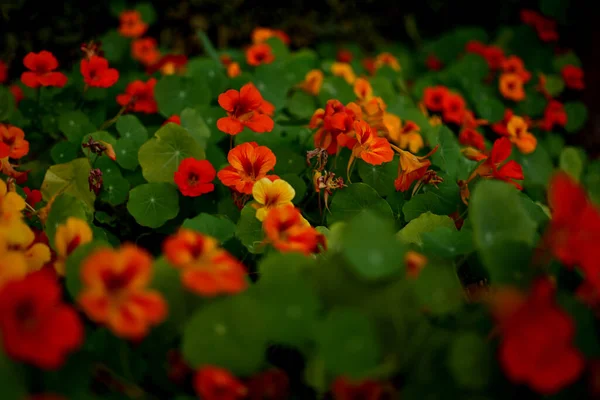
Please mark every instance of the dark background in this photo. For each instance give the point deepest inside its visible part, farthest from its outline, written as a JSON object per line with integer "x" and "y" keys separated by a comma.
{"x": 61, "y": 27}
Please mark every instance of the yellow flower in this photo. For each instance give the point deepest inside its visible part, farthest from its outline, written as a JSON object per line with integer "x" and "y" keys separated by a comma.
{"x": 70, "y": 235}
{"x": 387, "y": 59}
{"x": 344, "y": 70}
{"x": 10, "y": 202}
{"x": 363, "y": 89}
{"x": 407, "y": 136}
{"x": 271, "y": 194}
{"x": 12, "y": 265}
{"x": 312, "y": 82}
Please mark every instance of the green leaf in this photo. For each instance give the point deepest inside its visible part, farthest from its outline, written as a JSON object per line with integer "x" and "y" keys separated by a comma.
{"x": 174, "y": 93}
{"x": 219, "y": 227}
{"x": 130, "y": 127}
{"x": 249, "y": 230}
{"x": 7, "y": 103}
{"x": 438, "y": 289}
{"x": 347, "y": 344}
{"x": 470, "y": 360}
{"x": 352, "y": 200}
{"x": 577, "y": 115}
{"x": 503, "y": 239}
{"x": 63, "y": 152}
{"x": 571, "y": 162}
{"x": 230, "y": 333}
{"x": 301, "y": 105}
{"x": 288, "y": 162}
{"x": 385, "y": 255}
{"x": 64, "y": 206}
{"x": 443, "y": 200}
{"x": 273, "y": 82}
{"x": 533, "y": 105}
{"x": 562, "y": 60}
{"x": 75, "y": 263}
{"x": 12, "y": 379}
{"x": 209, "y": 48}
{"x": 153, "y": 204}
{"x": 195, "y": 125}
{"x": 75, "y": 125}
{"x": 554, "y": 84}
{"x": 127, "y": 153}
{"x": 161, "y": 155}
{"x": 335, "y": 87}
{"x": 537, "y": 167}
{"x": 448, "y": 243}
{"x": 204, "y": 68}
{"x": 70, "y": 178}
{"x": 147, "y": 12}
{"x": 115, "y": 191}
{"x": 426, "y": 222}
{"x": 586, "y": 338}
{"x": 167, "y": 280}
{"x": 114, "y": 45}
{"x": 379, "y": 177}
{"x": 448, "y": 154}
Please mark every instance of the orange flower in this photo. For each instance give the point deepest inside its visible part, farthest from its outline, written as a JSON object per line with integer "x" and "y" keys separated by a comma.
{"x": 115, "y": 291}
{"x": 244, "y": 109}
{"x": 434, "y": 97}
{"x": 470, "y": 122}
{"x": 70, "y": 235}
{"x": 406, "y": 136}
{"x": 288, "y": 231}
{"x": 12, "y": 142}
{"x": 335, "y": 122}
{"x": 511, "y": 87}
{"x": 344, "y": 56}
{"x": 233, "y": 70}
{"x": 13, "y": 265}
{"x": 363, "y": 89}
{"x": 312, "y": 82}
{"x": 132, "y": 25}
{"x": 145, "y": 50}
{"x": 260, "y": 35}
{"x": 509, "y": 172}
{"x": 369, "y": 64}
{"x": 214, "y": 383}
{"x": 206, "y": 269}
{"x": 343, "y": 70}
{"x": 369, "y": 147}
{"x": 453, "y": 108}
{"x": 387, "y": 59}
{"x": 514, "y": 65}
{"x": 411, "y": 168}
{"x": 518, "y": 134}
{"x": 414, "y": 262}
{"x": 248, "y": 163}
{"x": 258, "y": 54}
{"x": 470, "y": 137}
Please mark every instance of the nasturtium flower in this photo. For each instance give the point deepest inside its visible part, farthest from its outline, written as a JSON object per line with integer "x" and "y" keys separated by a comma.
{"x": 12, "y": 142}
{"x": 215, "y": 383}
{"x": 493, "y": 167}
{"x": 245, "y": 108}
{"x": 206, "y": 269}
{"x": 169, "y": 64}
{"x": 13, "y": 264}
{"x": 573, "y": 77}
{"x": 405, "y": 136}
{"x": 260, "y": 35}
{"x": 434, "y": 96}
{"x": 345, "y": 389}
{"x": 270, "y": 194}
{"x": 500, "y": 127}
{"x": 475, "y": 47}
{"x": 494, "y": 56}
{"x": 514, "y": 65}
{"x": 194, "y": 177}
{"x": 387, "y": 59}
{"x": 145, "y": 50}
{"x": 17, "y": 93}
{"x": 115, "y": 291}
{"x": 471, "y": 137}
{"x": 248, "y": 163}
{"x": 363, "y": 89}
{"x": 471, "y": 122}
{"x": 176, "y": 119}
{"x": 344, "y": 56}
{"x": 520, "y": 136}
{"x": 34, "y": 196}
{"x": 139, "y": 97}
{"x": 411, "y": 168}
{"x": 96, "y": 72}
{"x": 234, "y": 70}
{"x": 343, "y": 70}
{"x": 42, "y": 72}
{"x": 545, "y": 27}
{"x": 288, "y": 231}
{"x": 272, "y": 384}
{"x": 511, "y": 87}
{"x": 35, "y": 325}
{"x": 530, "y": 353}
{"x": 414, "y": 263}
{"x": 258, "y": 54}
{"x": 369, "y": 147}
{"x": 312, "y": 82}
{"x": 70, "y": 235}
{"x": 368, "y": 64}
{"x": 132, "y": 25}
{"x": 433, "y": 63}
{"x": 335, "y": 121}
{"x": 554, "y": 114}
{"x": 453, "y": 108}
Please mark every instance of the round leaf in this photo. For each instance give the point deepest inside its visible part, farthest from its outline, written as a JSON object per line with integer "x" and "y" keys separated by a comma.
{"x": 577, "y": 114}
{"x": 219, "y": 227}
{"x": 174, "y": 93}
{"x": 153, "y": 204}
{"x": 470, "y": 360}
{"x": 130, "y": 127}
{"x": 355, "y": 198}
{"x": 379, "y": 177}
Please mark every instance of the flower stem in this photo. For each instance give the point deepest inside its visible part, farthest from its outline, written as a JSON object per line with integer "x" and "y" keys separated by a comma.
{"x": 111, "y": 121}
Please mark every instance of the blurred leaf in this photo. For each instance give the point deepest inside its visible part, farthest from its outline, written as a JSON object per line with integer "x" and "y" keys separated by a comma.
{"x": 577, "y": 115}
{"x": 562, "y": 60}
{"x": 75, "y": 262}
{"x": 301, "y": 105}
{"x": 147, "y": 12}
{"x": 447, "y": 242}
{"x": 554, "y": 84}
{"x": 335, "y": 87}
{"x": 379, "y": 177}
{"x": 249, "y": 230}
{"x": 7, "y": 103}
{"x": 203, "y": 68}
{"x": 209, "y": 48}
{"x": 537, "y": 167}
{"x": 441, "y": 201}
{"x": 12, "y": 379}
{"x": 571, "y": 162}
{"x": 153, "y": 204}
{"x": 426, "y": 222}
{"x": 352, "y": 200}
{"x": 470, "y": 360}
{"x": 438, "y": 289}
{"x": 219, "y": 227}
{"x": 448, "y": 154}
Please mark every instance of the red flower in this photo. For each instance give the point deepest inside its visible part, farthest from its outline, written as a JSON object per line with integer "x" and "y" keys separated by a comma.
{"x": 169, "y": 64}
{"x": 17, "y": 93}
{"x": 494, "y": 56}
{"x": 514, "y": 65}
{"x": 573, "y": 77}
{"x": 476, "y": 47}
{"x": 269, "y": 385}
{"x": 37, "y": 327}
{"x": 145, "y": 50}
{"x": 344, "y": 56}
{"x": 545, "y": 27}
{"x": 470, "y": 137}
{"x": 554, "y": 114}
{"x": 343, "y": 389}
{"x": 537, "y": 343}
{"x": 96, "y": 73}
{"x": 433, "y": 63}
{"x": 12, "y": 142}
{"x": 243, "y": 110}
{"x": 139, "y": 97}
{"x": 214, "y": 383}
{"x": 369, "y": 65}
{"x": 258, "y": 54}
{"x": 501, "y": 127}
{"x": 194, "y": 177}
{"x": 41, "y": 71}
{"x": 176, "y": 119}
{"x": 434, "y": 97}
{"x": 33, "y": 196}
{"x": 454, "y": 108}
{"x": 508, "y": 172}
{"x": 3, "y": 72}
{"x": 335, "y": 122}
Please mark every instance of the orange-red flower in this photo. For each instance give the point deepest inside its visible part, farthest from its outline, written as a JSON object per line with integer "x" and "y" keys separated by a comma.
{"x": 115, "y": 291}
{"x": 288, "y": 231}
{"x": 500, "y": 126}
{"x": 434, "y": 96}
{"x": 96, "y": 73}
{"x": 334, "y": 122}
{"x": 554, "y": 114}
{"x": 169, "y": 64}
{"x": 514, "y": 65}
{"x": 344, "y": 56}
{"x": 369, "y": 147}
{"x": 260, "y": 35}
{"x": 132, "y": 25}
{"x": 205, "y": 268}
{"x": 492, "y": 168}
{"x": 433, "y": 63}
{"x": 41, "y": 72}
{"x": 470, "y": 137}
{"x": 12, "y": 142}
{"x": 470, "y": 122}
{"x": 175, "y": 119}
{"x": 573, "y": 77}
{"x": 343, "y": 70}
{"x": 344, "y": 389}
{"x": 194, "y": 177}
{"x": 258, "y": 54}
{"x": 363, "y": 89}
{"x": 245, "y": 108}
{"x": 312, "y": 82}
{"x": 411, "y": 168}
{"x": 545, "y": 27}
{"x": 368, "y": 64}
{"x": 511, "y": 87}
{"x": 145, "y": 50}
{"x": 494, "y": 56}
{"x": 520, "y": 136}
{"x": 248, "y": 163}
{"x": 234, "y": 70}
{"x": 139, "y": 97}
{"x": 453, "y": 108}
{"x": 17, "y": 93}
{"x": 387, "y": 59}
{"x": 3, "y": 72}
{"x": 405, "y": 136}
{"x": 414, "y": 263}
{"x": 475, "y": 47}
{"x": 214, "y": 383}
{"x": 36, "y": 326}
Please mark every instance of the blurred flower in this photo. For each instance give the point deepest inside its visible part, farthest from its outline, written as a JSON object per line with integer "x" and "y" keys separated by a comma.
{"x": 234, "y": 70}
{"x": 520, "y": 136}
{"x": 545, "y": 27}
{"x": 434, "y": 96}
{"x": 194, "y": 177}
{"x": 345, "y": 389}
{"x": 96, "y": 73}
{"x": 511, "y": 87}
{"x": 470, "y": 137}
{"x": 214, "y": 383}
{"x": 433, "y": 63}
{"x": 343, "y": 70}
{"x": 145, "y": 50}
{"x": 500, "y": 127}
{"x": 175, "y": 119}
{"x": 258, "y": 54}
{"x": 243, "y": 110}
{"x": 41, "y": 72}
{"x": 414, "y": 262}
{"x": 132, "y": 25}
{"x": 269, "y": 385}
{"x": 12, "y": 142}
{"x": 312, "y": 82}
{"x": 344, "y": 56}
{"x": 554, "y": 114}
{"x": 387, "y": 59}
{"x": 248, "y": 163}
{"x": 3, "y": 72}
{"x": 514, "y": 65}
{"x": 17, "y": 93}
{"x": 169, "y": 64}
{"x": 573, "y": 77}
{"x": 260, "y": 35}
{"x": 288, "y": 231}
{"x": 453, "y": 108}
{"x": 73, "y": 233}
{"x": 139, "y": 97}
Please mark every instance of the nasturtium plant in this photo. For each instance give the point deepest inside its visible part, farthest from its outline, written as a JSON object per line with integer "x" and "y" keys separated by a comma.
{"x": 285, "y": 216}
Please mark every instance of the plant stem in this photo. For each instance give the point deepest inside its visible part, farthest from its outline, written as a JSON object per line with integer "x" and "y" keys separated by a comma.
{"x": 111, "y": 121}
